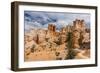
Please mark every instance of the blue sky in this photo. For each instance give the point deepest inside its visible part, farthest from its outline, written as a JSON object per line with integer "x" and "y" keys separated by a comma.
{"x": 36, "y": 19}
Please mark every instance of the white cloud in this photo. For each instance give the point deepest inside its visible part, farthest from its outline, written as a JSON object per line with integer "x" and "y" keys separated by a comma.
{"x": 42, "y": 19}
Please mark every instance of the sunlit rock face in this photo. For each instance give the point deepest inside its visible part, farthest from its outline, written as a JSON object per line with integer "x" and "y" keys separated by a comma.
{"x": 41, "y": 36}
{"x": 75, "y": 39}
{"x": 80, "y": 32}
{"x": 79, "y": 25}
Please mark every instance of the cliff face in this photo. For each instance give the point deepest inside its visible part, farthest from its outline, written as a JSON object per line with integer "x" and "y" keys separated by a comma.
{"x": 81, "y": 34}
{"x": 50, "y": 44}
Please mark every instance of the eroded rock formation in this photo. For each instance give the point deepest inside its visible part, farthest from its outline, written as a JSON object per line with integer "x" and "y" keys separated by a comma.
{"x": 50, "y": 44}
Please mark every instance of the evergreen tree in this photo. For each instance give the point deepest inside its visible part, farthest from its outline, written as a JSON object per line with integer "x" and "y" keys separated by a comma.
{"x": 71, "y": 53}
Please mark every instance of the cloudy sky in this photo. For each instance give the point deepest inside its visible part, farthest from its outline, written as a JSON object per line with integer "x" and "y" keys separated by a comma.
{"x": 36, "y": 19}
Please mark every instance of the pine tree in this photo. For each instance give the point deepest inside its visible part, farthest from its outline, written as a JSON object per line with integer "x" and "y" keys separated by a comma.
{"x": 69, "y": 46}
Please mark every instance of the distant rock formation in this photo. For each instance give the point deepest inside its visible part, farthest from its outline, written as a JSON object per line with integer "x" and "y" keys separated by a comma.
{"x": 79, "y": 25}
{"x": 81, "y": 34}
